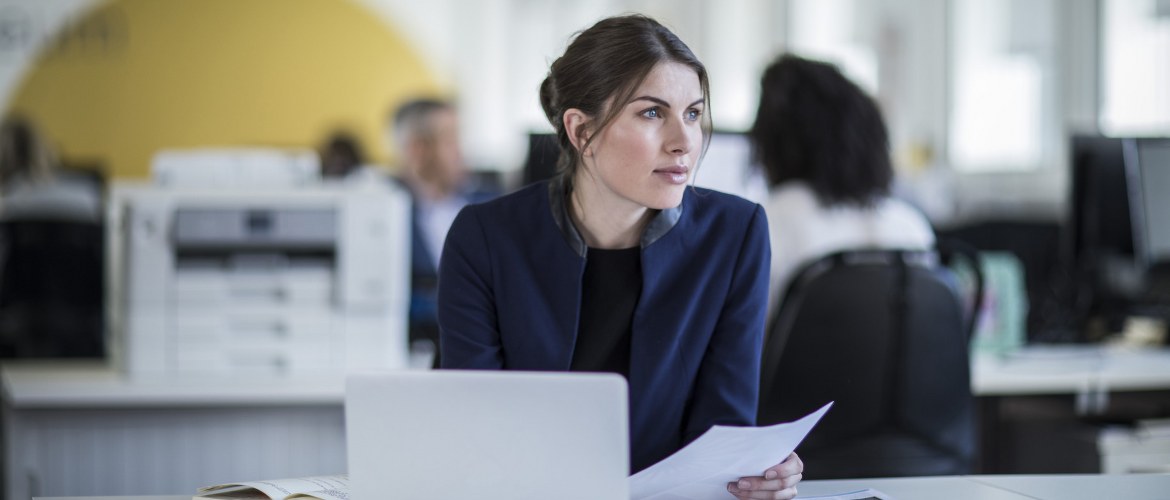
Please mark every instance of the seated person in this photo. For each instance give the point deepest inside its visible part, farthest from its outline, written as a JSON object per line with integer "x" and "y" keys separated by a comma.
{"x": 617, "y": 264}
{"x": 341, "y": 157}
{"x": 824, "y": 149}
{"x": 426, "y": 133}
{"x": 33, "y": 186}
{"x": 51, "y": 251}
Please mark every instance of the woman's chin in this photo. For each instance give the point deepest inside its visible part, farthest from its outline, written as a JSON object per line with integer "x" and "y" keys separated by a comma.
{"x": 668, "y": 198}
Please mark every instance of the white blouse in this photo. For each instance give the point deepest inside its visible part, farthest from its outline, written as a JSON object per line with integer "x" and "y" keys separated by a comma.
{"x": 802, "y": 230}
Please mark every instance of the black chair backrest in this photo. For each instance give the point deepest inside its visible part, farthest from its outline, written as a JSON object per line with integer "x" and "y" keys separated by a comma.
{"x": 957, "y": 254}
{"x": 884, "y": 334}
{"x": 52, "y": 289}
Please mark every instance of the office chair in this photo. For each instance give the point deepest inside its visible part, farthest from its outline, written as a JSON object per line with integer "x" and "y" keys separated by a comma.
{"x": 885, "y": 334}
{"x": 51, "y": 289}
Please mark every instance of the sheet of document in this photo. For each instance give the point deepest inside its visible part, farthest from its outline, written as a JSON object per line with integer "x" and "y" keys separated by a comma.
{"x": 322, "y": 487}
{"x": 723, "y": 454}
{"x": 866, "y": 494}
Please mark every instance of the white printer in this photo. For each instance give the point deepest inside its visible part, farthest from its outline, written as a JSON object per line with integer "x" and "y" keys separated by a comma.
{"x": 243, "y": 261}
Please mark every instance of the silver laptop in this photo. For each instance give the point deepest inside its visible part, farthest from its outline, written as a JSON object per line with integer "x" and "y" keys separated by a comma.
{"x": 487, "y": 435}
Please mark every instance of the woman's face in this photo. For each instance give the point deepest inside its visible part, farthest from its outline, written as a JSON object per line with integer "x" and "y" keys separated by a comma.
{"x": 649, "y": 151}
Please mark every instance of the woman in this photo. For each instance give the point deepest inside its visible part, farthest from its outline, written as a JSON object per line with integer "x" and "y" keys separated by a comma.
{"x": 616, "y": 264}
{"x": 824, "y": 148}
{"x": 34, "y": 186}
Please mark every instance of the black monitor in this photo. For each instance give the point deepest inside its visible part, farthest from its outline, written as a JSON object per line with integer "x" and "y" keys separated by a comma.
{"x": 541, "y": 162}
{"x": 1100, "y": 235}
{"x": 1099, "y": 205}
{"x": 1119, "y": 227}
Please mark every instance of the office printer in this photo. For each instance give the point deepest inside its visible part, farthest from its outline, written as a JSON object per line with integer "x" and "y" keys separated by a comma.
{"x": 244, "y": 261}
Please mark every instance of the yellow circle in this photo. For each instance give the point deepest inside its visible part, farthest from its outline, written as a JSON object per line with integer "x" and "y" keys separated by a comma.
{"x": 132, "y": 77}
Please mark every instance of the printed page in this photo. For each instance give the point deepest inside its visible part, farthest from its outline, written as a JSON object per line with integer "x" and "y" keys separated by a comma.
{"x": 721, "y": 455}
{"x": 323, "y": 487}
{"x": 866, "y": 494}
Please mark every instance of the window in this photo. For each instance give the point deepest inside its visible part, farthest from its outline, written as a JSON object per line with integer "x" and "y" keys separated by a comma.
{"x": 1002, "y": 112}
{"x": 1135, "y": 58}
{"x": 839, "y": 32}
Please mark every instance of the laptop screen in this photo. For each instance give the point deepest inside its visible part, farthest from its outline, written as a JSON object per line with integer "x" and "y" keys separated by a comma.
{"x": 487, "y": 435}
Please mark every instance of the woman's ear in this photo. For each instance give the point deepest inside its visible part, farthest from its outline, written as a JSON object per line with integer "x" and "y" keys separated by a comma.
{"x": 576, "y": 124}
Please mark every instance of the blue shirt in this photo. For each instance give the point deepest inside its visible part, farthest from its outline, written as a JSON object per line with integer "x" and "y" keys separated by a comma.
{"x": 510, "y": 296}
{"x": 429, "y": 224}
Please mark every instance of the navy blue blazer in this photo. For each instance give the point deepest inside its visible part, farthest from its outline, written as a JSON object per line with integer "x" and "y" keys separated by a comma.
{"x": 510, "y": 296}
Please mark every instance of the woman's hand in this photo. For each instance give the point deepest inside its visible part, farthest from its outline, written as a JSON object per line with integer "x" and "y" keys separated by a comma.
{"x": 778, "y": 482}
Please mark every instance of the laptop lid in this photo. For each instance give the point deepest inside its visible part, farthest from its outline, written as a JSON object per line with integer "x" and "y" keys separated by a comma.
{"x": 488, "y": 435}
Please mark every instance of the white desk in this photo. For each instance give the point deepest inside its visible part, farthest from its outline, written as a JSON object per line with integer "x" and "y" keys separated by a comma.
{"x": 1090, "y": 375}
{"x": 84, "y": 429}
{"x": 73, "y": 429}
{"x": 1070, "y": 369}
{"x": 1056, "y": 487}
{"x": 918, "y": 488}
{"x": 1119, "y": 486}
{"x": 1004, "y": 487}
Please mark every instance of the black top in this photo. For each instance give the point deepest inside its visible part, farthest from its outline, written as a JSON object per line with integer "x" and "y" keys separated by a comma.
{"x": 609, "y": 294}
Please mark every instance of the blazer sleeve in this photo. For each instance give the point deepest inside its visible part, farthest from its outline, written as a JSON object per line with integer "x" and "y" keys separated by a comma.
{"x": 469, "y": 335}
{"x": 727, "y": 385}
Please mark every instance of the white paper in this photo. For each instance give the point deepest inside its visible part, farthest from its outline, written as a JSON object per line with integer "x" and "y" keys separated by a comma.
{"x": 323, "y": 487}
{"x": 866, "y": 494}
{"x": 723, "y": 454}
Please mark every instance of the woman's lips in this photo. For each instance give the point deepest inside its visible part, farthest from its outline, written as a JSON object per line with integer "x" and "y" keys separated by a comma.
{"x": 676, "y": 174}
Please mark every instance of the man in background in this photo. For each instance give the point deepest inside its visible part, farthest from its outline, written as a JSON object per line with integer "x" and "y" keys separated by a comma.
{"x": 426, "y": 135}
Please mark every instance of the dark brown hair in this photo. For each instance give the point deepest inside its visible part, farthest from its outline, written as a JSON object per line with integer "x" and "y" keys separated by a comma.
{"x": 23, "y": 151}
{"x": 609, "y": 61}
{"x": 816, "y": 125}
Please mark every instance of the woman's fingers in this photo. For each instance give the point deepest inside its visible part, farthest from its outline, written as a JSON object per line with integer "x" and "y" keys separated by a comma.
{"x": 791, "y": 466}
{"x": 784, "y": 494}
{"x": 758, "y": 487}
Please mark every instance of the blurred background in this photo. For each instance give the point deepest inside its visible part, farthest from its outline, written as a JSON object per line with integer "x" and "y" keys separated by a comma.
{"x": 218, "y": 287}
{"x": 980, "y": 96}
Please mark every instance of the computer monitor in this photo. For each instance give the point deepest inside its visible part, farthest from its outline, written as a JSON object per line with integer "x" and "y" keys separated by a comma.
{"x": 1119, "y": 234}
{"x": 1148, "y": 169}
{"x": 1099, "y": 225}
{"x": 728, "y": 167}
{"x": 541, "y": 161}
{"x": 1101, "y": 242}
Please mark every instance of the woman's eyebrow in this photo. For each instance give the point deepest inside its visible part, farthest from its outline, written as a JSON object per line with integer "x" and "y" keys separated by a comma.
{"x": 662, "y": 102}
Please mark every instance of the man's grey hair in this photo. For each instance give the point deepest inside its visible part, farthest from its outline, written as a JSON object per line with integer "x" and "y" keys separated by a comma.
{"x": 411, "y": 118}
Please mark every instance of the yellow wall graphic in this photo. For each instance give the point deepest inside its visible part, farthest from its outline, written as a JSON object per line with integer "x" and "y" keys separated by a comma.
{"x": 135, "y": 76}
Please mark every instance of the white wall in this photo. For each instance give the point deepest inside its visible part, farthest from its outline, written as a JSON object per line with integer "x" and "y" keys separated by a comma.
{"x": 495, "y": 53}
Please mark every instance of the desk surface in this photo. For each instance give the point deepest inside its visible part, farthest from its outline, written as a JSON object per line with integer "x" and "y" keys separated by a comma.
{"x": 1065, "y": 369}
{"x": 1004, "y": 487}
{"x": 1032, "y": 370}
{"x": 1127, "y": 486}
{"x": 1061, "y": 487}
{"x": 92, "y": 384}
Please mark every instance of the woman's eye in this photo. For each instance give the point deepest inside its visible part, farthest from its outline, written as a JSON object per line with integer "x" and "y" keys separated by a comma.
{"x": 650, "y": 113}
{"x": 693, "y": 114}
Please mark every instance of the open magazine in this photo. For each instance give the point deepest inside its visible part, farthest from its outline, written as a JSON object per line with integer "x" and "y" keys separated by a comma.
{"x": 317, "y": 487}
